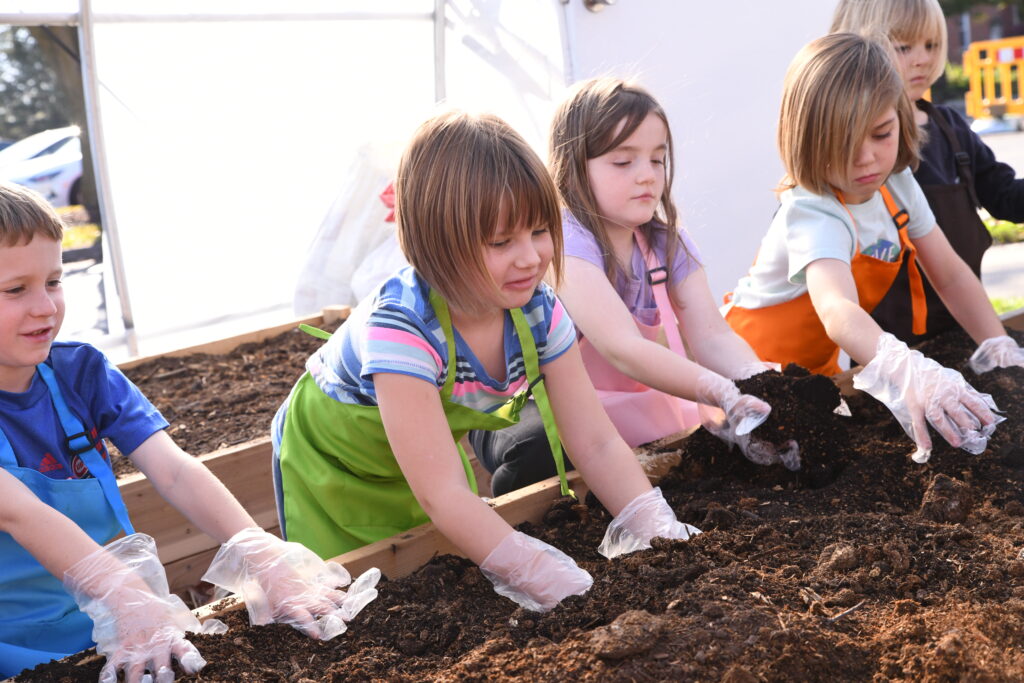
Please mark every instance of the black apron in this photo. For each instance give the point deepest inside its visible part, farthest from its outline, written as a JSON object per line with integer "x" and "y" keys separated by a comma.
{"x": 956, "y": 210}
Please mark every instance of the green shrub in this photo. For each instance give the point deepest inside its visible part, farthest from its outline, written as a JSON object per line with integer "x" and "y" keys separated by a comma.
{"x": 1003, "y": 232}
{"x": 1007, "y": 303}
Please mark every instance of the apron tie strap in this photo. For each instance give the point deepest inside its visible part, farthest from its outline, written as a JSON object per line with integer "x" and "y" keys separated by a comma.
{"x": 81, "y": 444}
{"x": 900, "y": 218}
{"x": 918, "y": 304}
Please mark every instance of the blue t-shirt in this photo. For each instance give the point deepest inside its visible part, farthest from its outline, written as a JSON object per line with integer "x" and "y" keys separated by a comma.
{"x": 99, "y": 394}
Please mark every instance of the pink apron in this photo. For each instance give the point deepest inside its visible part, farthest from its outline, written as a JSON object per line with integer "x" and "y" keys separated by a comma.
{"x": 640, "y": 413}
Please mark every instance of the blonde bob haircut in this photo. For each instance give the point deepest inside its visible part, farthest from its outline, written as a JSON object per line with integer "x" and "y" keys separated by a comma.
{"x": 25, "y": 214}
{"x": 835, "y": 89}
{"x": 463, "y": 179}
{"x": 903, "y": 21}
{"x": 597, "y": 116}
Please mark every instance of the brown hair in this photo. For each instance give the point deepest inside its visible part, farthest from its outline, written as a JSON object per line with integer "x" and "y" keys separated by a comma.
{"x": 587, "y": 125}
{"x": 835, "y": 88}
{"x": 902, "y": 21}
{"x": 25, "y": 214}
{"x": 461, "y": 178}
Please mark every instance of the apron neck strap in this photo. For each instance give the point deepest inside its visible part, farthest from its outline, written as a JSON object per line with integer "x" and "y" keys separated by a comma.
{"x": 81, "y": 444}
{"x": 534, "y": 378}
{"x": 900, "y": 218}
{"x": 658, "y": 279}
{"x": 540, "y": 393}
{"x": 444, "y": 317}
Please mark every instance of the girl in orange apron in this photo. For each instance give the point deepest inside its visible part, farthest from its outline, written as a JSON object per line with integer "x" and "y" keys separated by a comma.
{"x": 958, "y": 172}
{"x": 634, "y": 280}
{"x": 851, "y": 216}
{"x": 367, "y": 445}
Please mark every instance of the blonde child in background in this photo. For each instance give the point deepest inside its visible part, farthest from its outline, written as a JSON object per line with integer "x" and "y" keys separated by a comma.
{"x": 957, "y": 172}
{"x": 65, "y": 583}
{"x": 850, "y": 215}
{"x": 367, "y": 443}
{"x": 634, "y": 277}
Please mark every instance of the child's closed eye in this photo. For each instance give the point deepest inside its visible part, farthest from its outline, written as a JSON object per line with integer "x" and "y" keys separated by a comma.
{"x": 14, "y": 291}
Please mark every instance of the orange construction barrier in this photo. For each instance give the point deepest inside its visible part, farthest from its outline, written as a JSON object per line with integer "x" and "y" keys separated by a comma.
{"x": 993, "y": 68}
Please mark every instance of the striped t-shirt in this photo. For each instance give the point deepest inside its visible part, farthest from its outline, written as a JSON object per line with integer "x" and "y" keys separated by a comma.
{"x": 395, "y": 330}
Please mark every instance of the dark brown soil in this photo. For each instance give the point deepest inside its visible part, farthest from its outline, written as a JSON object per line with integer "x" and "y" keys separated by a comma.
{"x": 215, "y": 401}
{"x": 869, "y": 567}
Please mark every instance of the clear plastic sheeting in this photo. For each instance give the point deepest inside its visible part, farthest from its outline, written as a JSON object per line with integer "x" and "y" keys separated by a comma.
{"x": 226, "y": 143}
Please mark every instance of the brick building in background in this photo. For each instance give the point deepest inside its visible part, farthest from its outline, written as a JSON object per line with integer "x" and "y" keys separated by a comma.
{"x": 982, "y": 22}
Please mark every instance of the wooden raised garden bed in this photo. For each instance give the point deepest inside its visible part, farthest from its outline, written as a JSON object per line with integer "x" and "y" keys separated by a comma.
{"x": 861, "y": 566}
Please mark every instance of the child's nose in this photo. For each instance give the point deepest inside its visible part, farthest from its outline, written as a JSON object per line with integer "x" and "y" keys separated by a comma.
{"x": 44, "y": 304}
{"x": 528, "y": 256}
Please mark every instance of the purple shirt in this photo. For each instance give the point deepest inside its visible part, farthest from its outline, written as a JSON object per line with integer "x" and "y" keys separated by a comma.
{"x": 635, "y": 291}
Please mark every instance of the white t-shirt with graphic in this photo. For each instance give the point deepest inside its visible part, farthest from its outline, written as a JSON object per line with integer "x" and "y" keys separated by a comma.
{"x": 808, "y": 227}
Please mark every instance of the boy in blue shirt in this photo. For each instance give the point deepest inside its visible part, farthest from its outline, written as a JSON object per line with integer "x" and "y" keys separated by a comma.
{"x": 61, "y": 591}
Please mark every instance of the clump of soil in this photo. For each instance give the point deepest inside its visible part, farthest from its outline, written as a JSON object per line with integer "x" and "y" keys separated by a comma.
{"x": 215, "y": 401}
{"x": 866, "y": 575}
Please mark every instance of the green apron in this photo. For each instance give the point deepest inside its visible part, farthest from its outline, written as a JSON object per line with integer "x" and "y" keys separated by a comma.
{"x": 342, "y": 486}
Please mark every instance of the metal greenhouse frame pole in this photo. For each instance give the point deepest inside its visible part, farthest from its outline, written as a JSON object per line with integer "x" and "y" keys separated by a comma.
{"x": 111, "y": 237}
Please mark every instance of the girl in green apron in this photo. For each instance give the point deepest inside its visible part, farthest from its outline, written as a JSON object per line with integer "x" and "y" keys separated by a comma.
{"x": 66, "y": 584}
{"x": 368, "y": 440}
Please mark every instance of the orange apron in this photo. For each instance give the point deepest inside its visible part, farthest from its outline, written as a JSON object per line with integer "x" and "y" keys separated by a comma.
{"x": 791, "y": 332}
{"x": 642, "y": 414}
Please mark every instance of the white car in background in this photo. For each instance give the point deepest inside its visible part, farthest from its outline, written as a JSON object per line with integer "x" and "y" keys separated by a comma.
{"x": 49, "y": 162}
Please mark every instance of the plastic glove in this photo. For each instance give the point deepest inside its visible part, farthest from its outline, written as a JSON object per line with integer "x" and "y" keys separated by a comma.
{"x": 647, "y": 516}
{"x": 731, "y": 416}
{"x": 137, "y": 624}
{"x": 996, "y": 352}
{"x": 918, "y": 391}
{"x": 743, "y": 413}
{"x": 532, "y": 573}
{"x": 288, "y": 583}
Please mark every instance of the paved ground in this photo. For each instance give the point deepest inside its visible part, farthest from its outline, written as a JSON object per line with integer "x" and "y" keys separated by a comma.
{"x": 1002, "y": 270}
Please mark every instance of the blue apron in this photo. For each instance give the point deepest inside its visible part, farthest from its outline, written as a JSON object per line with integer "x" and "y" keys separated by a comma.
{"x": 39, "y": 620}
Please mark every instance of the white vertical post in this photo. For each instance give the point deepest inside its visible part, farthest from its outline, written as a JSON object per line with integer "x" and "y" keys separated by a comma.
{"x": 440, "y": 27}
{"x": 111, "y": 240}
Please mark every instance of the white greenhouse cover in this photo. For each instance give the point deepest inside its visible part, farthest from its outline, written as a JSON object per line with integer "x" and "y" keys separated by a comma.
{"x": 232, "y": 128}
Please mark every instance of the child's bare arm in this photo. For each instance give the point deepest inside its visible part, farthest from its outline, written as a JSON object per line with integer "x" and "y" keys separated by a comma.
{"x": 958, "y": 286}
{"x": 50, "y": 537}
{"x": 714, "y": 344}
{"x": 834, "y": 296}
{"x": 418, "y": 432}
{"x": 598, "y": 452}
{"x": 190, "y": 487}
{"x": 598, "y": 311}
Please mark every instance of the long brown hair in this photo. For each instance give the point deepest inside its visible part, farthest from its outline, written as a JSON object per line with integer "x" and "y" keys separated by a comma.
{"x": 598, "y": 116}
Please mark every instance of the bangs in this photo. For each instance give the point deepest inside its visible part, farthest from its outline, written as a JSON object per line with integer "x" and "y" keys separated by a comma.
{"x": 631, "y": 108}
{"x": 916, "y": 21}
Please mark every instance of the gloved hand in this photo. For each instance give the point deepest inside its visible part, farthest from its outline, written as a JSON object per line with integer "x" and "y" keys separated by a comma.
{"x": 996, "y": 352}
{"x": 288, "y": 583}
{"x": 645, "y": 517}
{"x": 731, "y": 416}
{"x": 743, "y": 413}
{"x": 137, "y": 624}
{"x": 918, "y": 391}
{"x": 532, "y": 573}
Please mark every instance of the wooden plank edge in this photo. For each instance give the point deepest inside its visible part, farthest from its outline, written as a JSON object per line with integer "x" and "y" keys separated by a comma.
{"x": 1013, "y": 319}
{"x": 329, "y": 315}
{"x": 402, "y": 554}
